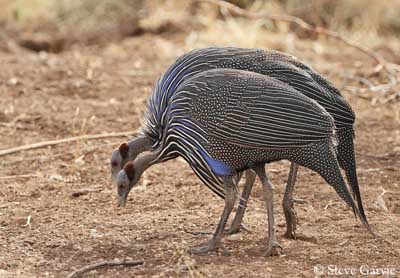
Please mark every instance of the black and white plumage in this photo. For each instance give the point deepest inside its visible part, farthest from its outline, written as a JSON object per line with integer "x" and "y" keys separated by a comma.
{"x": 245, "y": 115}
{"x": 281, "y": 66}
{"x": 225, "y": 121}
{"x": 274, "y": 64}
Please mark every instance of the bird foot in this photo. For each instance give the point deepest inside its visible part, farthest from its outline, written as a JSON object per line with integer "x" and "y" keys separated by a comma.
{"x": 234, "y": 229}
{"x": 291, "y": 220}
{"x": 274, "y": 249}
{"x": 210, "y": 246}
{"x": 291, "y": 226}
{"x": 290, "y": 234}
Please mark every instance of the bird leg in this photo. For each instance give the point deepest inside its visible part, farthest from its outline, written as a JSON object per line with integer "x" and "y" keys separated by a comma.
{"x": 273, "y": 247}
{"x": 290, "y": 213}
{"x": 237, "y": 221}
{"x": 215, "y": 242}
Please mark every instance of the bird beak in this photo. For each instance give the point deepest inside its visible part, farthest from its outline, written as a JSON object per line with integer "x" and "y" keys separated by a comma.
{"x": 122, "y": 200}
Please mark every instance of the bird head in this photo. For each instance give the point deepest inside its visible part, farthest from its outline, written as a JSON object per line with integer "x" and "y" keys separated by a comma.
{"x": 129, "y": 176}
{"x": 118, "y": 159}
{"x": 125, "y": 180}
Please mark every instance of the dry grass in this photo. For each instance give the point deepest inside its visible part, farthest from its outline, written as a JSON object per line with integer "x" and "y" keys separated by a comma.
{"x": 373, "y": 17}
{"x": 90, "y": 15}
{"x": 376, "y": 17}
{"x": 354, "y": 18}
{"x": 55, "y": 25}
{"x": 84, "y": 21}
{"x": 372, "y": 25}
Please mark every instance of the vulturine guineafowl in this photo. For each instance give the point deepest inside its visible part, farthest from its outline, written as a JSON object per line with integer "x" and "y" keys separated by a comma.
{"x": 281, "y": 66}
{"x": 225, "y": 121}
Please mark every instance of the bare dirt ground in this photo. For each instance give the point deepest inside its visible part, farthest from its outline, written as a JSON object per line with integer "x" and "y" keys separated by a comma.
{"x": 90, "y": 90}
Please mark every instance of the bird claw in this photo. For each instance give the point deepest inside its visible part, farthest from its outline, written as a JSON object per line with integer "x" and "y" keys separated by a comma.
{"x": 274, "y": 249}
{"x": 234, "y": 229}
{"x": 290, "y": 234}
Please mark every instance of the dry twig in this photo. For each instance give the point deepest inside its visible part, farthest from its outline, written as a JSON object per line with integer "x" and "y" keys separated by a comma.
{"x": 85, "y": 191}
{"x": 18, "y": 177}
{"x": 28, "y": 222}
{"x": 62, "y": 154}
{"x": 79, "y": 272}
{"x": 63, "y": 141}
{"x": 200, "y": 233}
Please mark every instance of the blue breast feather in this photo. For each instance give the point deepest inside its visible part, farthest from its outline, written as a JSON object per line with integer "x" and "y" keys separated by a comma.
{"x": 218, "y": 167}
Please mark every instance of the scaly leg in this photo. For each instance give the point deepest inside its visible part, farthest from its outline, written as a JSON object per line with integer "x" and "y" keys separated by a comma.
{"x": 237, "y": 221}
{"x": 290, "y": 213}
{"x": 272, "y": 245}
{"x": 215, "y": 242}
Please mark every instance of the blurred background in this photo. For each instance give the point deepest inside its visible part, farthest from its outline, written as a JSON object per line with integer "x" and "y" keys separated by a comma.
{"x": 86, "y": 67}
{"x": 60, "y": 24}
{"x": 178, "y": 26}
